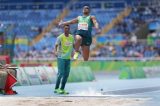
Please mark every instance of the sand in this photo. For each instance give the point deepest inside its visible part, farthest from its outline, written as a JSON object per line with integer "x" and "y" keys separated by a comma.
{"x": 71, "y": 101}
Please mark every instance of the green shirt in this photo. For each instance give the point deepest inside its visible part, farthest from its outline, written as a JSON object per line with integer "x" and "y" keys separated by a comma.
{"x": 65, "y": 46}
{"x": 85, "y": 23}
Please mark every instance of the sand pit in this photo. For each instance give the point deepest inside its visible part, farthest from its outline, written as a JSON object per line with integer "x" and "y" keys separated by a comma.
{"x": 71, "y": 101}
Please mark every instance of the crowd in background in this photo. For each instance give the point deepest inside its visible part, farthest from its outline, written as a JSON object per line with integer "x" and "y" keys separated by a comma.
{"x": 126, "y": 47}
{"x": 122, "y": 43}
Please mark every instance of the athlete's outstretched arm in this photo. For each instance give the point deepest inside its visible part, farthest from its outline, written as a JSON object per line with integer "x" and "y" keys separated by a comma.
{"x": 73, "y": 21}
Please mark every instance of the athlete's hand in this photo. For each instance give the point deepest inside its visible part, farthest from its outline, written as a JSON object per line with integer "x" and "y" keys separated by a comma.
{"x": 61, "y": 24}
{"x": 56, "y": 53}
{"x": 98, "y": 31}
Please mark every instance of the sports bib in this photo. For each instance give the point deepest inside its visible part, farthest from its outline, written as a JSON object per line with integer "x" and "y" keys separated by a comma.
{"x": 83, "y": 26}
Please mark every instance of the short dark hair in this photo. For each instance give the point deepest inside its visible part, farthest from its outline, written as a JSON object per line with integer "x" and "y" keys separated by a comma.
{"x": 86, "y": 7}
{"x": 66, "y": 25}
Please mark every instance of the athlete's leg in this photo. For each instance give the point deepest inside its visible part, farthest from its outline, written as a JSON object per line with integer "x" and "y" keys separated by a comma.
{"x": 78, "y": 41}
{"x": 66, "y": 73}
{"x": 85, "y": 51}
{"x": 61, "y": 67}
{"x": 86, "y": 42}
{"x": 77, "y": 45}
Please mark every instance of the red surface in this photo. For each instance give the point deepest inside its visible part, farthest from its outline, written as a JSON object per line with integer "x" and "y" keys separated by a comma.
{"x": 11, "y": 80}
{"x": 5, "y": 58}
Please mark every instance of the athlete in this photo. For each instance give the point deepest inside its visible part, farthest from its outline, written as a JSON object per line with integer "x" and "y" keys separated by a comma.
{"x": 83, "y": 36}
{"x": 63, "y": 51}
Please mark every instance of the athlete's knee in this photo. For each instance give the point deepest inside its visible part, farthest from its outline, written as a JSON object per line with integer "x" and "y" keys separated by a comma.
{"x": 85, "y": 58}
{"x": 78, "y": 38}
{"x": 59, "y": 75}
{"x": 65, "y": 76}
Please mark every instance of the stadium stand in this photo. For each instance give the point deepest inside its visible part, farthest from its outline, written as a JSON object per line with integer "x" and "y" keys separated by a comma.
{"x": 120, "y": 41}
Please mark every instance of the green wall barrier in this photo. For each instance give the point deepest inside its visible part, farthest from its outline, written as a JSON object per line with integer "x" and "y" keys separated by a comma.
{"x": 80, "y": 74}
{"x": 45, "y": 75}
{"x": 83, "y": 71}
{"x": 132, "y": 73}
{"x": 125, "y": 74}
{"x": 114, "y": 65}
{"x": 103, "y": 65}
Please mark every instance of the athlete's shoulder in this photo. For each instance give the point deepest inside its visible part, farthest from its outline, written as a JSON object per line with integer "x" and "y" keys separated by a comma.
{"x": 71, "y": 35}
{"x": 92, "y": 17}
{"x": 79, "y": 17}
{"x": 60, "y": 36}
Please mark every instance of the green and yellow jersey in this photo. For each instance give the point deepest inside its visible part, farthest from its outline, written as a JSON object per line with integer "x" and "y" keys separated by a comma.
{"x": 65, "y": 46}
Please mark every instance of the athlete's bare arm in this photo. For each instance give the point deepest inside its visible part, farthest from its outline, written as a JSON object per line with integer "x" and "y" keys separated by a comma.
{"x": 55, "y": 51}
{"x": 73, "y": 21}
{"x": 96, "y": 25}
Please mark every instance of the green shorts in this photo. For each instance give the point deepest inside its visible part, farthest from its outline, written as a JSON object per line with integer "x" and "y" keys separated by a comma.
{"x": 86, "y": 37}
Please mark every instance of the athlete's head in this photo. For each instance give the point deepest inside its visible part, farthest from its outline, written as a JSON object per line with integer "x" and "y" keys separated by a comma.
{"x": 66, "y": 29}
{"x": 86, "y": 10}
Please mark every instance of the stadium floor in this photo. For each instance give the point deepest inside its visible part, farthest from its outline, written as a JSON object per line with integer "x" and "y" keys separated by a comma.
{"x": 146, "y": 90}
